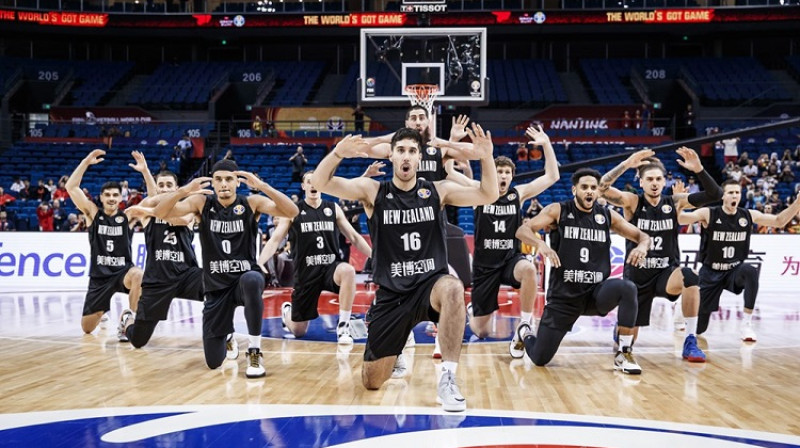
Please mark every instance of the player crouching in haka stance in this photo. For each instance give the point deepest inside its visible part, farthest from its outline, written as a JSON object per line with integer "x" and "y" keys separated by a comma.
{"x": 314, "y": 238}
{"x": 581, "y": 263}
{"x": 228, "y": 235}
{"x": 409, "y": 251}
{"x": 110, "y": 234}
{"x": 724, "y": 246}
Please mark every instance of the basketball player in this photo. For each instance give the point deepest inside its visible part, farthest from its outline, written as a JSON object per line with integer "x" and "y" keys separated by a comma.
{"x": 498, "y": 259}
{"x": 228, "y": 235}
{"x": 110, "y": 234}
{"x": 656, "y": 214}
{"x": 171, "y": 269}
{"x": 409, "y": 252}
{"x": 314, "y": 238}
{"x": 580, "y": 266}
{"x": 724, "y": 247}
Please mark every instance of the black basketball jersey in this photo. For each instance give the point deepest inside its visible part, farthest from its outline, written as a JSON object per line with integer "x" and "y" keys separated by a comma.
{"x": 314, "y": 237}
{"x": 228, "y": 236}
{"x": 431, "y": 167}
{"x": 169, "y": 251}
{"x": 725, "y": 242}
{"x": 496, "y": 225}
{"x": 110, "y": 241}
{"x": 660, "y": 222}
{"x": 583, "y": 243}
{"x": 408, "y": 236}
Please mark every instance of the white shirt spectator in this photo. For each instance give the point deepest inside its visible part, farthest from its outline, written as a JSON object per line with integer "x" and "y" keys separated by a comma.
{"x": 17, "y": 186}
{"x": 730, "y": 147}
{"x": 750, "y": 171}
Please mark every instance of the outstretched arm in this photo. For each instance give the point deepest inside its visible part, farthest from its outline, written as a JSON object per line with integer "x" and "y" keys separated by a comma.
{"x": 276, "y": 203}
{"x": 700, "y": 215}
{"x": 73, "y": 185}
{"x": 141, "y": 166}
{"x": 187, "y": 199}
{"x": 621, "y": 198}
{"x": 359, "y": 189}
{"x": 627, "y": 230}
{"x": 551, "y": 174}
{"x": 781, "y": 219}
{"x": 351, "y": 234}
{"x": 487, "y": 191}
{"x": 281, "y": 230}
{"x": 711, "y": 190}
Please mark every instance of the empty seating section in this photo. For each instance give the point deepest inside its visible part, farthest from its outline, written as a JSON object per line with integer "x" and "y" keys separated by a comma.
{"x": 91, "y": 81}
{"x": 731, "y": 81}
{"x": 528, "y": 82}
{"x": 608, "y": 80}
{"x": 191, "y": 85}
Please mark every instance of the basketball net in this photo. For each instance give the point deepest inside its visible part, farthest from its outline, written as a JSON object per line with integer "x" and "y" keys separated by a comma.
{"x": 422, "y": 95}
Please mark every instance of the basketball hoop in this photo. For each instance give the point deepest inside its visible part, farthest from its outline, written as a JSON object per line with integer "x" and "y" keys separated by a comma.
{"x": 422, "y": 95}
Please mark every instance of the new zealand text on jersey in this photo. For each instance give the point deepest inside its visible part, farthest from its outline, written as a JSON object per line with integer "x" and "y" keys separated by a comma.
{"x": 409, "y": 216}
{"x": 316, "y": 226}
{"x": 217, "y": 226}
{"x": 427, "y": 166}
{"x": 655, "y": 225}
{"x": 109, "y": 230}
{"x": 728, "y": 236}
{"x": 500, "y": 210}
{"x": 582, "y": 233}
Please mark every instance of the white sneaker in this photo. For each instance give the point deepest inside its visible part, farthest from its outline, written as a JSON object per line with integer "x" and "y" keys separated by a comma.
{"x": 343, "y": 336}
{"x": 517, "y": 346}
{"x": 449, "y": 396}
{"x": 625, "y": 361}
{"x": 748, "y": 335}
{"x": 469, "y": 313}
{"x": 286, "y": 314}
{"x": 400, "y": 368}
{"x": 125, "y": 319}
{"x": 437, "y": 350}
{"x": 255, "y": 367}
{"x": 410, "y": 342}
{"x": 231, "y": 347}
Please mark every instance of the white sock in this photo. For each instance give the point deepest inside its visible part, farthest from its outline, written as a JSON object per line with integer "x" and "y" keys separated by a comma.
{"x": 344, "y": 316}
{"x": 255, "y": 341}
{"x": 691, "y": 325}
{"x": 625, "y": 340}
{"x": 526, "y": 317}
{"x": 450, "y": 366}
{"x": 748, "y": 318}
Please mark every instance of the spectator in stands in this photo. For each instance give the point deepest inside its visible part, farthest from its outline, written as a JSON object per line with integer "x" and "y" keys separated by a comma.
{"x": 768, "y": 210}
{"x": 80, "y": 224}
{"x": 295, "y": 198}
{"x": 72, "y": 220}
{"x": 522, "y": 153}
{"x": 750, "y": 170}
{"x": 744, "y": 158}
{"x": 772, "y": 169}
{"x": 669, "y": 182}
{"x": 774, "y": 201}
{"x": 17, "y": 185}
{"x": 637, "y": 119}
{"x": 134, "y": 198}
{"x": 534, "y": 208}
{"x": 733, "y": 171}
{"x": 731, "y": 149}
{"x": 271, "y": 132}
{"x": 61, "y": 192}
{"x": 787, "y": 159}
{"x": 59, "y": 216}
{"x": 45, "y": 215}
{"x": 124, "y": 191}
{"x": 692, "y": 186}
{"x": 787, "y": 175}
{"x": 358, "y": 119}
{"x": 6, "y": 225}
{"x": 5, "y": 198}
{"x": 773, "y": 158}
{"x": 646, "y": 116}
{"x": 767, "y": 183}
{"x": 51, "y": 187}
{"x": 182, "y": 148}
{"x": 298, "y": 161}
{"x": 41, "y": 192}
{"x": 763, "y": 162}
{"x": 25, "y": 192}
{"x": 626, "y": 120}
{"x": 257, "y": 127}
{"x": 758, "y": 199}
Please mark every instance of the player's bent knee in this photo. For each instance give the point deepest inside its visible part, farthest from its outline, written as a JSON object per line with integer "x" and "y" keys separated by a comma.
{"x": 690, "y": 278}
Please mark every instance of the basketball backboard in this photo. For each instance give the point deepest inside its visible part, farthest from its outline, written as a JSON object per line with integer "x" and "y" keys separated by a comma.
{"x": 454, "y": 59}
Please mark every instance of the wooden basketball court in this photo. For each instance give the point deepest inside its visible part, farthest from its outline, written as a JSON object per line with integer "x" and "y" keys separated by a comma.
{"x": 49, "y": 365}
